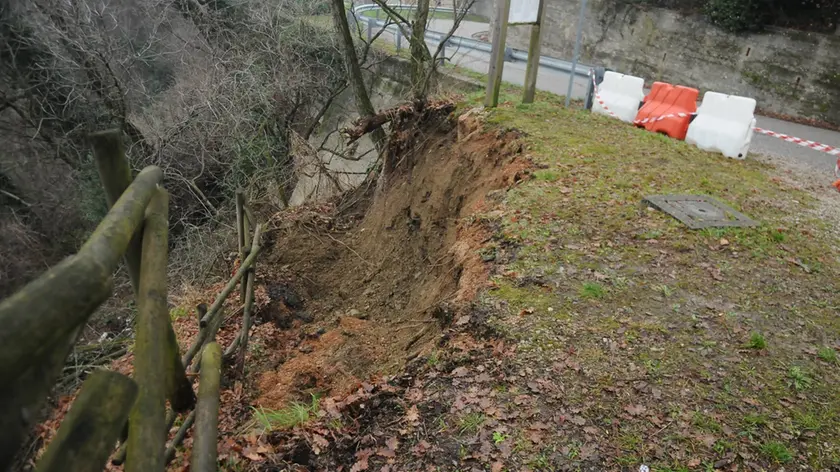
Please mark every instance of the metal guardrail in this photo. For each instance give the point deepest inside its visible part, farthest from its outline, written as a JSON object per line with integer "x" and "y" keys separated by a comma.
{"x": 511, "y": 54}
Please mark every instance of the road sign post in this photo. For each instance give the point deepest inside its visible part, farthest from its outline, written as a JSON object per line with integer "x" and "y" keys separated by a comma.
{"x": 497, "y": 56}
{"x": 534, "y": 56}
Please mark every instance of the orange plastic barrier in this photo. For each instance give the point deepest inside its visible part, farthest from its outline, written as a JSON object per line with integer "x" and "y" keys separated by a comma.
{"x": 666, "y": 99}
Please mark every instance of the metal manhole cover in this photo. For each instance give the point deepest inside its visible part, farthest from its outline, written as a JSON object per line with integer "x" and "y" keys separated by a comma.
{"x": 699, "y": 211}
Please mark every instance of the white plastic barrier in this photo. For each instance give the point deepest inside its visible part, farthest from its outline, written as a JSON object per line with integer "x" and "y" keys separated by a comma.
{"x": 621, "y": 94}
{"x": 724, "y": 124}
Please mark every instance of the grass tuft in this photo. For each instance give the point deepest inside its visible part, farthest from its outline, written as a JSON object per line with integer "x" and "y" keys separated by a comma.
{"x": 592, "y": 290}
{"x": 776, "y": 452}
{"x": 827, "y": 354}
{"x": 286, "y": 418}
{"x": 798, "y": 378}
{"x": 757, "y": 341}
{"x": 471, "y": 423}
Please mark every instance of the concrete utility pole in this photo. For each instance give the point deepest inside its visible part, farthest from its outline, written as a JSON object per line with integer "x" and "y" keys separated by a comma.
{"x": 534, "y": 56}
{"x": 497, "y": 61}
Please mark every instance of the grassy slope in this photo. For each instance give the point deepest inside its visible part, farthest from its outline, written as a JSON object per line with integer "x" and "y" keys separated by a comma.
{"x": 659, "y": 316}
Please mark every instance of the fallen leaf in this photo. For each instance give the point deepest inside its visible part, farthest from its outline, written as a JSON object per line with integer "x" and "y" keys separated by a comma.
{"x": 635, "y": 410}
{"x": 362, "y": 460}
{"x": 497, "y": 467}
{"x": 463, "y": 320}
{"x": 252, "y": 454}
{"x": 707, "y": 439}
{"x": 392, "y": 443}
{"x": 460, "y": 372}
{"x": 724, "y": 242}
{"x": 577, "y": 420}
{"x": 412, "y": 415}
{"x": 319, "y": 443}
{"x": 421, "y": 448}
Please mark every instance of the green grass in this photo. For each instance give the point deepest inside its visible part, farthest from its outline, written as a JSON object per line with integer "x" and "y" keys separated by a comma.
{"x": 757, "y": 341}
{"x": 827, "y": 354}
{"x": 670, "y": 300}
{"x": 547, "y": 175}
{"x": 755, "y": 420}
{"x": 798, "y": 379}
{"x": 471, "y": 423}
{"x": 592, "y": 290}
{"x": 706, "y": 422}
{"x": 776, "y": 451}
{"x": 178, "y": 312}
{"x": 293, "y": 415}
{"x": 499, "y": 437}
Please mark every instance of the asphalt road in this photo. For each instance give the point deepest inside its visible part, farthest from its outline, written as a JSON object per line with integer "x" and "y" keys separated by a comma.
{"x": 557, "y": 82}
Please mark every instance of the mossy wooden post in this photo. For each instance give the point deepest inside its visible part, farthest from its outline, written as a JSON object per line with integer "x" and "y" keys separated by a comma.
{"x": 50, "y": 310}
{"x": 497, "y": 59}
{"x": 241, "y": 229}
{"x": 246, "y": 321}
{"x": 115, "y": 173}
{"x": 21, "y": 400}
{"x": 91, "y": 428}
{"x": 533, "y": 67}
{"x": 243, "y": 270}
{"x": 56, "y": 303}
{"x": 146, "y": 437}
{"x": 204, "y": 453}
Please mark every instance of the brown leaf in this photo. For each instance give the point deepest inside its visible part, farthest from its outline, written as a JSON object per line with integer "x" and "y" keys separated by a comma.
{"x": 412, "y": 415}
{"x": 252, "y": 454}
{"x": 362, "y": 462}
{"x": 707, "y": 439}
{"x": 635, "y": 410}
{"x": 577, "y": 420}
{"x": 460, "y": 372}
{"x": 319, "y": 443}
{"x": 497, "y": 467}
{"x": 421, "y": 448}
{"x": 392, "y": 443}
{"x": 462, "y": 320}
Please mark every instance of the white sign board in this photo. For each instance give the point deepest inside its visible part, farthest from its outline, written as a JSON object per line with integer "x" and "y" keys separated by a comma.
{"x": 523, "y": 12}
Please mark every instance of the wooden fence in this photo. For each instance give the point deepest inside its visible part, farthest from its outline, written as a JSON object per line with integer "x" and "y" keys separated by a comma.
{"x": 40, "y": 324}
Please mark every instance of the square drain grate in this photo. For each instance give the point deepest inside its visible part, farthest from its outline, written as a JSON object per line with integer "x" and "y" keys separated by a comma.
{"x": 699, "y": 211}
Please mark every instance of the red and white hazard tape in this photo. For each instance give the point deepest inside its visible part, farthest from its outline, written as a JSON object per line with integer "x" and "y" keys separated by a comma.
{"x": 598, "y": 96}
{"x": 791, "y": 139}
{"x": 802, "y": 142}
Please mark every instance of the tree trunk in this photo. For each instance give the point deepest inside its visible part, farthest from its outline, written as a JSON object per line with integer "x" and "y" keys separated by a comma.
{"x": 420, "y": 57}
{"x": 354, "y": 69}
{"x": 91, "y": 428}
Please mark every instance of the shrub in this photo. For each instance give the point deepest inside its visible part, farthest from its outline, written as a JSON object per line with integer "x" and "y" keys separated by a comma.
{"x": 737, "y": 16}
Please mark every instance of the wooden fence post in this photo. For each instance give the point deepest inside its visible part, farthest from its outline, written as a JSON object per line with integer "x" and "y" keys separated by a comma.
{"x": 204, "y": 453}
{"x": 146, "y": 437}
{"x": 115, "y": 174}
{"x": 243, "y": 269}
{"x": 89, "y": 431}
